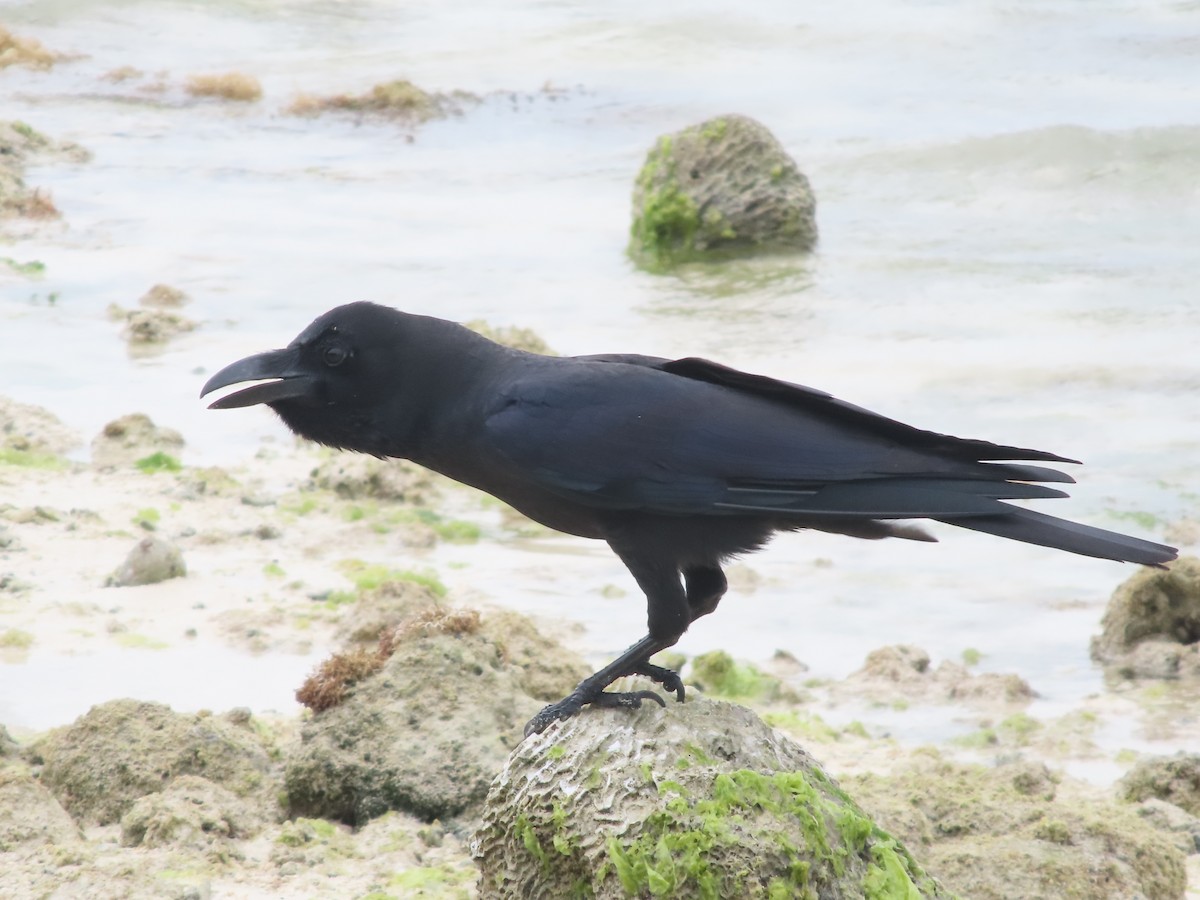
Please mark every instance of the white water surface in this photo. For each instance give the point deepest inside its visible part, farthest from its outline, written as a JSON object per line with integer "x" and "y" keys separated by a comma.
{"x": 1009, "y": 203}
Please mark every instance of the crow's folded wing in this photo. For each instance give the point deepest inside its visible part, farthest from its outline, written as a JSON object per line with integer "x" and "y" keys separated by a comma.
{"x": 689, "y": 437}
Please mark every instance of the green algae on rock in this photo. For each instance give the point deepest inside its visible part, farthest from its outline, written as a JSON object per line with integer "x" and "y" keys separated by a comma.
{"x": 1151, "y": 628}
{"x": 701, "y": 800}
{"x": 190, "y": 812}
{"x": 122, "y": 750}
{"x": 424, "y": 734}
{"x": 1175, "y": 779}
{"x": 1015, "y": 831}
{"x": 128, "y": 439}
{"x": 722, "y": 189}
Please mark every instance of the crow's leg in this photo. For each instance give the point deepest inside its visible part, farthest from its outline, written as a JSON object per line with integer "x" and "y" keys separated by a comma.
{"x": 590, "y": 691}
{"x": 669, "y": 615}
{"x": 706, "y": 585}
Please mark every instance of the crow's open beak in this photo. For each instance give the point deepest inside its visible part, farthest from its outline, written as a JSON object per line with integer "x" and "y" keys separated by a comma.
{"x": 288, "y": 379}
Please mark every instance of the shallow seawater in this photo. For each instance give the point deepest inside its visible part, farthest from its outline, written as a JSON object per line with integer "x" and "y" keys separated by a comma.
{"x": 1009, "y": 203}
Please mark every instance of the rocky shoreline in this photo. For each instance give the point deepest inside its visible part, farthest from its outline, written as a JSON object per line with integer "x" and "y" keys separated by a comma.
{"x": 384, "y": 791}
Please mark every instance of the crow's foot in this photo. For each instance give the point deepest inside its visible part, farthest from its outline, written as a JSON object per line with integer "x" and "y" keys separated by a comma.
{"x": 578, "y": 699}
{"x": 591, "y": 691}
{"x": 668, "y": 678}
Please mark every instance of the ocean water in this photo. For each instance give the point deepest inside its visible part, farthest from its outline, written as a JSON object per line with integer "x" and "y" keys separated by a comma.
{"x": 1009, "y": 204}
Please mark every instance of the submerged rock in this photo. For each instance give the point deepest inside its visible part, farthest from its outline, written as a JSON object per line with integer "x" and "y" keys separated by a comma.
{"x": 163, "y": 296}
{"x": 999, "y": 833}
{"x": 724, "y": 188}
{"x": 123, "y": 750}
{"x": 904, "y": 672}
{"x": 150, "y": 561}
{"x": 1151, "y": 628}
{"x": 698, "y": 800}
{"x": 152, "y": 326}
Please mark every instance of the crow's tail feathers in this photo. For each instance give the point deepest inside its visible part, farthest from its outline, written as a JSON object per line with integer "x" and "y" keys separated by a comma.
{"x": 1061, "y": 534}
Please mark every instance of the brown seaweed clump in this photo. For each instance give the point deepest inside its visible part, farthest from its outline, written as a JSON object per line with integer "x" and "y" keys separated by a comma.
{"x": 24, "y": 51}
{"x": 235, "y": 86}
{"x": 330, "y": 684}
{"x": 400, "y": 99}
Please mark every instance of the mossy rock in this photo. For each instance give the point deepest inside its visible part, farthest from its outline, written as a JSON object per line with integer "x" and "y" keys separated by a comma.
{"x": 698, "y": 800}
{"x": 123, "y": 750}
{"x": 192, "y": 812}
{"x": 130, "y": 438}
{"x": 722, "y": 189}
{"x": 1013, "y": 831}
{"x": 29, "y": 814}
{"x": 1151, "y": 628}
{"x": 1175, "y": 779}
{"x": 423, "y": 735}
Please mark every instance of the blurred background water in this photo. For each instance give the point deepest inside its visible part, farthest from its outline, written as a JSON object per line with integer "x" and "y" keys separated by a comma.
{"x": 1009, "y": 204}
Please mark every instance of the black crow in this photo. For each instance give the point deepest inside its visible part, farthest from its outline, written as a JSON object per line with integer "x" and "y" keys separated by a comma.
{"x": 677, "y": 464}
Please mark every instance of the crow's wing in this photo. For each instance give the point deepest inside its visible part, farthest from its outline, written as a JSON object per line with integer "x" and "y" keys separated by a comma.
{"x": 689, "y": 437}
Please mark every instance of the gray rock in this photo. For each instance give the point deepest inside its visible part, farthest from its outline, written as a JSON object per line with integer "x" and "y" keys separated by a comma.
{"x": 154, "y": 325}
{"x": 724, "y": 188}
{"x": 697, "y": 800}
{"x": 150, "y": 561}
{"x": 126, "y": 440}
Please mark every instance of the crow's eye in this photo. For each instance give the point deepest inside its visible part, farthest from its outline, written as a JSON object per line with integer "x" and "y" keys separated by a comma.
{"x": 334, "y": 356}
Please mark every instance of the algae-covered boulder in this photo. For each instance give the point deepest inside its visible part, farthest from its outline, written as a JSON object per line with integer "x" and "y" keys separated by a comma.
{"x": 1015, "y": 831}
{"x": 1151, "y": 628}
{"x": 1175, "y": 779}
{"x": 29, "y": 814}
{"x": 424, "y": 735}
{"x": 724, "y": 188}
{"x": 191, "y": 812}
{"x": 698, "y": 800}
{"x": 122, "y": 750}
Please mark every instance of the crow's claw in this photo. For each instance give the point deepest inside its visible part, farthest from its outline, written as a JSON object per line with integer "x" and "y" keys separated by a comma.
{"x": 626, "y": 699}
{"x": 668, "y": 678}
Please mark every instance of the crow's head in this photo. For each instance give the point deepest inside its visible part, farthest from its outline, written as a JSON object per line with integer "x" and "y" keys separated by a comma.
{"x": 331, "y": 383}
